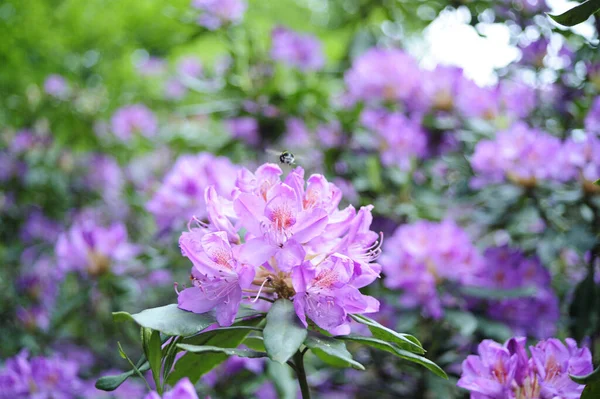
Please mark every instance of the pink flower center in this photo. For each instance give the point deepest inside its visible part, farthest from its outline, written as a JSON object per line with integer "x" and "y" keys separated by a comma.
{"x": 283, "y": 218}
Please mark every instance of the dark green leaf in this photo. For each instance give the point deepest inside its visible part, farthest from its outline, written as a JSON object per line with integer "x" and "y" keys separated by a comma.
{"x": 591, "y": 391}
{"x": 227, "y": 351}
{"x": 404, "y": 341}
{"x": 283, "y": 333}
{"x": 112, "y": 382}
{"x": 577, "y": 14}
{"x": 171, "y": 320}
{"x": 594, "y": 376}
{"x": 152, "y": 349}
{"x": 388, "y": 347}
{"x": 497, "y": 294}
{"x": 193, "y": 366}
{"x": 256, "y": 343}
{"x": 331, "y": 351}
{"x": 597, "y": 182}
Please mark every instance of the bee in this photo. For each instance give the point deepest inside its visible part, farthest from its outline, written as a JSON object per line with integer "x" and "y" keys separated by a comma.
{"x": 285, "y": 157}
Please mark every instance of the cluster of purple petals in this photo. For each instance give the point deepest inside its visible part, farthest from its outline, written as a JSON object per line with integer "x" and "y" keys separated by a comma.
{"x": 56, "y": 86}
{"x": 400, "y": 140}
{"x": 244, "y": 128}
{"x": 39, "y": 228}
{"x": 592, "y": 119}
{"x": 296, "y": 50}
{"x": 283, "y": 238}
{"x": 91, "y": 248}
{"x": 132, "y": 119}
{"x": 184, "y": 389}
{"x": 422, "y": 255}
{"x": 508, "y": 372}
{"x": 508, "y": 269}
{"x": 519, "y": 154}
{"x": 391, "y": 75}
{"x": 181, "y": 196}
{"x": 40, "y": 377}
{"x": 216, "y": 13}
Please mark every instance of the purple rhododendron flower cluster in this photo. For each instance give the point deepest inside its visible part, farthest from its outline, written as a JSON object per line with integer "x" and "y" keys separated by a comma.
{"x": 40, "y": 377}
{"x": 182, "y": 193}
{"x": 519, "y": 154}
{"x": 300, "y": 51}
{"x": 90, "y": 248}
{"x": 507, "y": 372}
{"x": 507, "y": 269}
{"x": 422, "y": 255}
{"x": 287, "y": 238}
{"x": 132, "y": 119}
{"x": 216, "y": 13}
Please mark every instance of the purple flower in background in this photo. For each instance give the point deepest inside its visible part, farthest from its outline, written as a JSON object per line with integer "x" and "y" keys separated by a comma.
{"x": 592, "y": 119}
{"x": 300, "y": 51}
{"x": 182, "y": 193}
{"x": 297, "y": 244}
{"x": 144, "y": 170}
{"x": 39, "y": 377}
{"x": 105, "y": 177}
{"x": 508, "y": 268}
{"x": 189, "y": 66}
{"x": 131, "y": 119}
{"x": 422, "y": 255}
{"x": 473, "y": 101}
{"x": 507, "y": 372}
{"x": 151, "y": 66}
{"x": 533, "y": 54}
{"x": 216, "y": 13}
{"x": 56, "y": 86}
{"x": 39, "y": 282}
{"x": 38, "y": 227}
{"x": 94, "y": 249}
{"x": 520, "y": 155}
{"x": 400, "y": 140}
{"x": 244, "y": 128}
{"x": 184, "y": 389}
{"x": 517, "y": 99}
{"x": 438, "y": 89}
{"x": 330, "y": 134}
{"x": 382, "y": 74}
{"x": 174, "y": 89}
{"x": 584, "y": 156}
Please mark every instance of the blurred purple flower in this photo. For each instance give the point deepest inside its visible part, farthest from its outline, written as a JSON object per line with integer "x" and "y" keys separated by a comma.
{"x": 189, "y": 66}
{"x": 38, "y": 227}
{"x": 400, "y": 139}
{"x": 382, "y": 74}
{"x": 56, "y": 86}
{"x": 473, "y": 101}
{"x": 592, "y": 119}
{"x": 533, "y": 54}
{"x": 92, "y": 249}
{"x": 520, "y": 155}
{"x": 584, "y": 156}
{"x": 508, "y": 268}
{"x": 39, "y": 377}
{"x": 131, "y": 119}
{"x": 216, "y": 13}
{"x": 182, "y": 193}
{"x": 422, "y": 255}
{"x": 174, "y": 89}
{"x": 297, "y": 50}
{"x": 151, "y": 66}
{"x": 244, "y": 128}
{"x": 184, "y": 389}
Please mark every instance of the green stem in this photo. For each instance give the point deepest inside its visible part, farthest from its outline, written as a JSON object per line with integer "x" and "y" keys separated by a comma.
{"x": 301, "y": 373}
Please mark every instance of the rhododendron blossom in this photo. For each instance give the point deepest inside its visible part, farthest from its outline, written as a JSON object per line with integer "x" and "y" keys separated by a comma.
{"x": 285, "y": 238}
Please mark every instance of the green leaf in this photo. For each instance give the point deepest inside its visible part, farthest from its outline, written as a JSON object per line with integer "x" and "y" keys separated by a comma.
{"x": 404, "y": 341}
{"x": 112, "y": 382}
{"x": 594, "y": 376}
{"x": 597, "y": 182}
{"x": 497, "y": 294}
{"x": 152, "y": 349}
{"x": 171, "y": 320}
{"x": 283, "y": 333}
{"x": 331, "y": 351}
{"x": 591, "y": 391}
{"x": 285, "y": 383}
{"x": 464, "y": 322}
{"x": 256, "y": 343}
{"x": 193, "y": 366}
{"x": 406, "y": 355}
{"x": 249, "y": 353}
{"x": 577, "y": 14}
